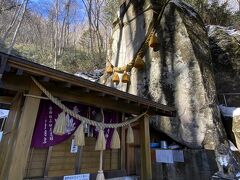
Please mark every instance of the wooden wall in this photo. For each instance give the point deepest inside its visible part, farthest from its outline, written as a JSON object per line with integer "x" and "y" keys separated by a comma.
{"x": 131, "y": 153}
{"x": 36, "y": 162}
{"x": 62, "y": 162}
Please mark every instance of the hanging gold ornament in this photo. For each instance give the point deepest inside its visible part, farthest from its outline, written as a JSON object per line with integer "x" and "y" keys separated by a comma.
{"x": 153, "y": 42}
{"x": 109, "y": 69}
{"x": 125, "y": 77}
{"x": 115, "y": 78}
{"x": 139, "y": 63}
{"x": 129, "y": 67}
{"x": 119, "y": 69}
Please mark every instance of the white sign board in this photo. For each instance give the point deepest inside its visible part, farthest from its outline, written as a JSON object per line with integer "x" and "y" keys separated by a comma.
{"x": 178, "y": 156}
{"x": 169, "y": 156}
{"x": 77, "y": 177}
{"x": 1, "y": 135}
{"x": 74, "y": 147}
{"x": 164, "y": 156}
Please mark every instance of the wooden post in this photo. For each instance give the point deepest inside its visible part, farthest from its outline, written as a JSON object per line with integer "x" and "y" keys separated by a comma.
{"x": 123, "y": 144}
{"x": 146, "y": 164}
{"x": 20, "y": 150}
{"x": 9, "y": 132}
{"x": 123, "y": 148}
{"x": 78, "y": 160}
{"x": 49, "y": 154}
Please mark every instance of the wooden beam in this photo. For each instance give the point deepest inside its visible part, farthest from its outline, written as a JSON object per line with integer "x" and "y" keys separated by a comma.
{"x": 68, "y": 85}
{"x": 6, "y": 99}
{"x": 19, "y": 72}
{"x": 10, "y": 132}
{"x": 3, "y": 64}
{"x": 15, "y": 83}
{"x": 146, "y": 163}
{"x": 21, "y": 83}
{"x": 7, "y": 68}
{"x": 39, "y": 70}
{"x": 73, "y": 95}
{"x": 21, "y": 148}
{"x": 101, "y": 94}
{"x": 46, "y": 79}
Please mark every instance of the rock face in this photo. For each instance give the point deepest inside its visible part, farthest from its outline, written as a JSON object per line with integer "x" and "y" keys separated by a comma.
{"x": 178, "y": 74}
{"x": 225, "y": 49}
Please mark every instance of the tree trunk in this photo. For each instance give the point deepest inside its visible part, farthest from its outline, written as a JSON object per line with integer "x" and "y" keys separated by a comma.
{"x": 56, "y": 34}
{"x": 10, "y": 26}
{"x": 18, "y": 27}
{"x": 88, "y": 8}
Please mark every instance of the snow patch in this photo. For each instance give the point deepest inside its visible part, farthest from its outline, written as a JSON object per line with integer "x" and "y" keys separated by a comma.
{"x": 229, "y": 111}
{"x": 238, "y": 174}
{"x": 3, "y": 113}
{"x": 93, "y": 76}
{"x": 232, "y": 146}
{"x": 229, "y": 30}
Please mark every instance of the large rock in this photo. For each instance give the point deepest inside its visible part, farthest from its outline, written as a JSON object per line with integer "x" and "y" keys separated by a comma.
{"x": 179, "y": 74}
{"x": 225, "y": 49}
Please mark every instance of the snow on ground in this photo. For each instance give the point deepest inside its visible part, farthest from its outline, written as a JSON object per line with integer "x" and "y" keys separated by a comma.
{"x": 229, "y": 30}
{"x": 3, "y": 113}
{"x": 229, "y": 111}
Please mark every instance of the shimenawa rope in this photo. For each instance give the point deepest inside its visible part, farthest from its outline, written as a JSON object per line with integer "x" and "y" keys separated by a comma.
{"x": 81, "y": 118}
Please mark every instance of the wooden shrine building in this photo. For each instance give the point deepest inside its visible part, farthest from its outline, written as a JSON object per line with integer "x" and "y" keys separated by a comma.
{"x": 18, "y": 93}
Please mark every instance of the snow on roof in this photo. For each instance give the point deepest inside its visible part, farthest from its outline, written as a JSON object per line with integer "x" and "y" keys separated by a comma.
{"x": 91, "y": 76}
{"x": 3, "y": 113}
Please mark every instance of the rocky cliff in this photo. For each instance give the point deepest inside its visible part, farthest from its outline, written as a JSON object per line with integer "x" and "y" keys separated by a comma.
{"x": 225, "y": 50}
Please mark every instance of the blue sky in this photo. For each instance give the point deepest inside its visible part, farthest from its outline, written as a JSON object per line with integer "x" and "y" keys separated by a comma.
{"x": 42, "y": 6}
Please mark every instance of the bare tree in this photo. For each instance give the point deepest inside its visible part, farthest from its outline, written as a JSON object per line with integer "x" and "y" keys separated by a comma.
{"x": 56, "y": 34}
{"x": 18, "y": 27}
{"x": 15, "y": 17}
{"x": 238, "y": 5}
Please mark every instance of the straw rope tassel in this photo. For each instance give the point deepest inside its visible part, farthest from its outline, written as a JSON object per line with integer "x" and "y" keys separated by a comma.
{"x": 60, "y": 125}
{"x": 101, "y": 141}
{"x": 130, "y": 135}
{"x": 115, "y": 142}
{"x": 79, "y": 136}
{"x": 100, "y": 175}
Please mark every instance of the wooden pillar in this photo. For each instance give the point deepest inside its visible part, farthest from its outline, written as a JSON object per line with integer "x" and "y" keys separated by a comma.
{"x": 20, "y": 151}
{"x": 146, "y": 163}
{"x": 123, "y": 148}
{"x": 78, "y": 160}
{"x": 9, "y": 133}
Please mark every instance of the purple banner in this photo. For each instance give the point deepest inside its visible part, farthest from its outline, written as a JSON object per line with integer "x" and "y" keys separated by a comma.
{"x": 48, "y": 112}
